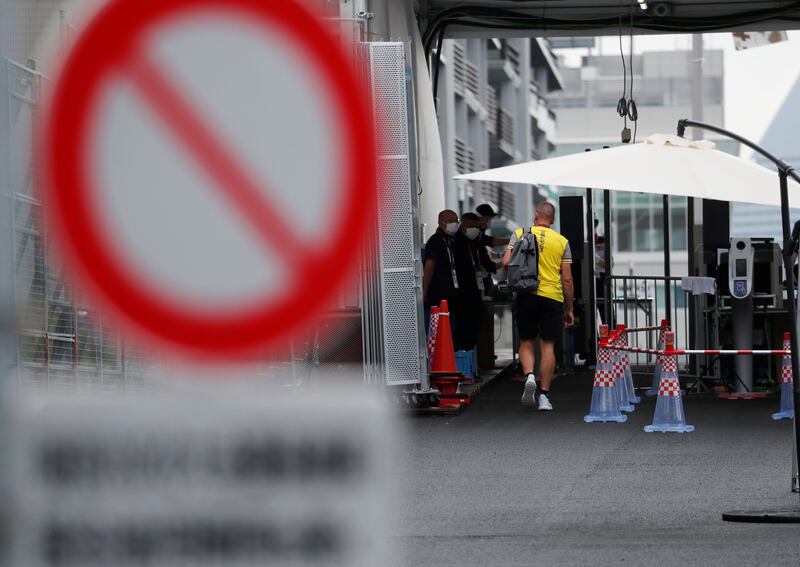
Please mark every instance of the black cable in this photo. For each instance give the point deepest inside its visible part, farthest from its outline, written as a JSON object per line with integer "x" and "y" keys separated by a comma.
{"x": 632, "y": 111}
{"x": 622, "y": 103}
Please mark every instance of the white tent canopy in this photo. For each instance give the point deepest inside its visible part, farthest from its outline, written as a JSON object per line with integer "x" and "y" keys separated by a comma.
{"x": 661, "y": 165}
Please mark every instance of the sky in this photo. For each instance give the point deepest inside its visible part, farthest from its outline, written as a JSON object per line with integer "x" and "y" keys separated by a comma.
{"x": 757, "y": 81}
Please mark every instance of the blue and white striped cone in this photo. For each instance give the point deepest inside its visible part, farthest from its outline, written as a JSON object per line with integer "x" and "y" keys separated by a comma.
{"x": 619, "y": 375}
{"x": 605, "y": 400}
{"x": 653, "y": 391}
{"x": 787, "y": 385}
{"x": 622, "y": 338}
{"x": 669, "y": 416}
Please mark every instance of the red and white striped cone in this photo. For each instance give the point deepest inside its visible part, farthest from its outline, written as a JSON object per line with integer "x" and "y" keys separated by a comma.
{"x": 622, "y": 335}
{"x": 657, "y": 372}
{"x": 787, "y": 384}
{"x": 605, "y": 398}
{"x": 433, "y": 325}
{"x": 669, "y": 416}
{"x": 619, "y": 373}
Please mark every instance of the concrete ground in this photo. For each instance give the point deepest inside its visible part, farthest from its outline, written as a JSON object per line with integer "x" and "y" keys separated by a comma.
{"x": 502, "y": 485}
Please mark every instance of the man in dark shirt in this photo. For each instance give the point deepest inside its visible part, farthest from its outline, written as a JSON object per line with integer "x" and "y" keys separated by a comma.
{"x": 439, "y": 278}
{"x": 470, "y": 277}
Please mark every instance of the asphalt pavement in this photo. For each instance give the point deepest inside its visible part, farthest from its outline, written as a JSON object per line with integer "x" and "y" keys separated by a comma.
{"x": 503, "y": 485}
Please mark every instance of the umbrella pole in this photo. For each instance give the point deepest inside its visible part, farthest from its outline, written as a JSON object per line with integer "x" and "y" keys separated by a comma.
{"x": 591, "y": 324}
{"x": 692, "y": 269}
{"x": 667, "y": 283}
{"x": 609, "y": 264}
{"x": 790, "y": 292}
{"x": 784, "y": 172}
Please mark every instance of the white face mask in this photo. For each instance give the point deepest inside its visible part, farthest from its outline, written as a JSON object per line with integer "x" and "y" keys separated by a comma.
{"x": 472, "y": 233}
{"x": 451, "y": 228}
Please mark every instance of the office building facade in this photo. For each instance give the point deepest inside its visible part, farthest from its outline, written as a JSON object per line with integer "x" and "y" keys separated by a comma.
{"x": 493, "y": 111}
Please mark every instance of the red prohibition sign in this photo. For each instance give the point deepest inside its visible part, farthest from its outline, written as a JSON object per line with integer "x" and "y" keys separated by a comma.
{"x": 112, "y": 45}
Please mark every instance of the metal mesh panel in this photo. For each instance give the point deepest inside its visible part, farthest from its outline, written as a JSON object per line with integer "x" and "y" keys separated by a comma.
{"x": 388, "y": 87}
{"x": 400, "y": 322}
{"x": 396, "y": 234}
{"x": 400, "y": 295}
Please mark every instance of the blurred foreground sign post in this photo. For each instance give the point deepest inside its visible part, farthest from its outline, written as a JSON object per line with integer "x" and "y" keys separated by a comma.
{"x": 208, "y": 165}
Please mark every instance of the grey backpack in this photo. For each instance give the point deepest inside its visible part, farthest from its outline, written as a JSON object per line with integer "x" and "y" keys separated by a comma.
{"x": 523, "y": 266}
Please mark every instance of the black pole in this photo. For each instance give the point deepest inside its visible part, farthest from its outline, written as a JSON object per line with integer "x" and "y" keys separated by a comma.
{"x": 667, "y": 286}
{"x": 684, "y": 122}
{"x": 591, "y": 324}
{"x": 607, "y": 245}
{"x": 784, "y": 172}
{"x": 790, "y": 290}
{"x": 690, "y": 244}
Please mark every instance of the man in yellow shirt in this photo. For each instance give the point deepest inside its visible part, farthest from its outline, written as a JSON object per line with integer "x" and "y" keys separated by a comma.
{"x": 543, "y": 313}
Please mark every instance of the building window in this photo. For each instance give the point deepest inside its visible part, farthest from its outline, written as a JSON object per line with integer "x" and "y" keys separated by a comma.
{"x": 623, "y": 222}
{"x": 679, "y": 232}
{"x": 639, "y": 222}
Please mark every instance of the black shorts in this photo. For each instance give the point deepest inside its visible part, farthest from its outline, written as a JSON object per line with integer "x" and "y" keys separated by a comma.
{"x": 539, "y": 317}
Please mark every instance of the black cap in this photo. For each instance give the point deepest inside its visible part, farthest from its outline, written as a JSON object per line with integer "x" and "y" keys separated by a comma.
{"x": 485, "y": 210}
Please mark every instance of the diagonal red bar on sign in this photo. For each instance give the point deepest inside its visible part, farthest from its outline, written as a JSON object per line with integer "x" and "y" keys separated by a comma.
{"x": 239, "y": 188}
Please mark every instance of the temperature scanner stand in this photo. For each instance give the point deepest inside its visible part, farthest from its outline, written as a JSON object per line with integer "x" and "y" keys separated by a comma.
{"x": 740, "y": 281}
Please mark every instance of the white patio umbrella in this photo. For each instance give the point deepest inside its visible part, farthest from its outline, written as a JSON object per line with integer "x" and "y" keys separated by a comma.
{"x": 662, "y": 165}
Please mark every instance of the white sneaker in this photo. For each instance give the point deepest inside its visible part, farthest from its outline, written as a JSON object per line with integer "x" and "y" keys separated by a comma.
{"x": 529, "y": 394}
{"x": 544, "y": 403}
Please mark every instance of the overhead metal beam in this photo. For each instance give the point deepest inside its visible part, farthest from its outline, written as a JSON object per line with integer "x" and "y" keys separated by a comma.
{"x": 570, "y": 18}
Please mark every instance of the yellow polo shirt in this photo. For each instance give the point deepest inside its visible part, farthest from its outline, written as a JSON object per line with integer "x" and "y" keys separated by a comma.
{"x": 553, "y": 250}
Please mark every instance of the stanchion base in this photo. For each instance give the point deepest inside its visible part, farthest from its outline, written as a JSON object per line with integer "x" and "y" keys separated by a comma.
{"x": 783, "y": 415}
{"x": 763, "y": 517}
{"x": 598, "y": 419}
{"x": 668, "y": 428}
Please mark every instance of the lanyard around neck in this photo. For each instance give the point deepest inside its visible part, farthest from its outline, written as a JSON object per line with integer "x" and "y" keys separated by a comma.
{"x": 448, "y": 245}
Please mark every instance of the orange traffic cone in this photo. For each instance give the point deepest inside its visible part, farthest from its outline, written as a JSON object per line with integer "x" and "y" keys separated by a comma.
{"x": 444, "y": 356}
{"x": 444, "y": 374}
